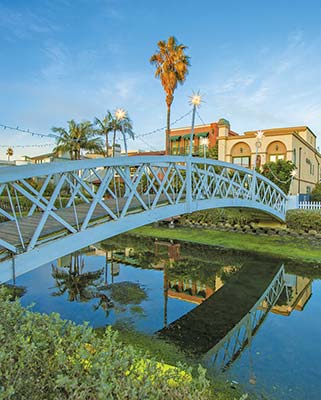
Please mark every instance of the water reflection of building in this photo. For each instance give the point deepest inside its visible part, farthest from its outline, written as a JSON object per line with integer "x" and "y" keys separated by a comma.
{"x": 186, "y": 290}
{"x": 195, "y": 291}
{"x": 297, "y": 293}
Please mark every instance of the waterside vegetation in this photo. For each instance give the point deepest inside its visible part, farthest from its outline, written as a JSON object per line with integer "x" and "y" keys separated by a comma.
{"x": 274, "y": 246}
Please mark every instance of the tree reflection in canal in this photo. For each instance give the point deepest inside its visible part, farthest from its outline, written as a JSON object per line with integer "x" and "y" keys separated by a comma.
{"x": 81, "y": 286}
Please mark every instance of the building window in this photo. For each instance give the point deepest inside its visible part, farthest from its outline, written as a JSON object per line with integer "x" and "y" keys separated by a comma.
{"x": 242, "y": 161}
{"x": 276, "y": 157}
{"x": 175, "y": 147}
{"x": 241, "y": 154}
{"x": 276, "y": 151}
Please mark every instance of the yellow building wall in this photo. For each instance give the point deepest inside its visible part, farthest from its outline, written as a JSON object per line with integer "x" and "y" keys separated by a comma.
{"x": 309, "y": 169}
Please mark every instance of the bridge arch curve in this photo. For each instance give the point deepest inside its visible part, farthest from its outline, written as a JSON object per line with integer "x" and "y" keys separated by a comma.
{"x": 132, "y": 192}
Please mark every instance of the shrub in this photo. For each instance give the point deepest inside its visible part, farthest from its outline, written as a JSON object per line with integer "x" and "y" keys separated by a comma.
{"x": 304, "y": 220}
{"x": 217, "y": 215}
{"x": 45, "y": 357}
{"x": 316, "y": 192}
{"x": 279, "y": 172}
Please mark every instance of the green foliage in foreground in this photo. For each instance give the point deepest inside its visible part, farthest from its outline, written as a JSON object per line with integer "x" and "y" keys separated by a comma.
{"x": 44, "y": 357}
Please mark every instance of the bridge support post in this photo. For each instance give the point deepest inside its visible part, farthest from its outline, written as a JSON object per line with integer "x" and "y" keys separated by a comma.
{"x": 189, "y": 184}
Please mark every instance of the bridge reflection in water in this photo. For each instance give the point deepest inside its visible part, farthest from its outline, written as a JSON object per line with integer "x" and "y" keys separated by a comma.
{"x": 232, "y": 303}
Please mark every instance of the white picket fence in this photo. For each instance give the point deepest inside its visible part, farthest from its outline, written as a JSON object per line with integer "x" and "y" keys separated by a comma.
{"x": 310, "y": 205}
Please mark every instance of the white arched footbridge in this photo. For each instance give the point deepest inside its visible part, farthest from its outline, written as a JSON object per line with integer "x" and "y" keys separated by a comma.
{"x": 53, "y": 209}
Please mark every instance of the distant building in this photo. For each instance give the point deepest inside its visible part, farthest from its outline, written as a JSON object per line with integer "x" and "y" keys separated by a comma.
{"x": 44, "y": 158}
{"x": 110, "y": 152}
{"x": 146, "y": 153}
{"x": 297, "y": 144}
{"x": 6, "y": 163}
{"x": 204, "y": 139}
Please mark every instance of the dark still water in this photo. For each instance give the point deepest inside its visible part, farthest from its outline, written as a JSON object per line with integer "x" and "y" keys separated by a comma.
{"x": 254, "y": 320}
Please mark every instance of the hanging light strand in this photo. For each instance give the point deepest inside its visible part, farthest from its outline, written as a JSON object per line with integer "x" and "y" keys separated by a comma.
{"x": 54, "y": 136}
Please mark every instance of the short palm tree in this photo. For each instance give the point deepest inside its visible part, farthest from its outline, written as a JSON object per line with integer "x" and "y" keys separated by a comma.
{"x": 79, "y": 136}
{"x": 104, "y": 127}
{"x": 9, "y": 152}
{"x": 126, "y": 127}
{"x": 171, "y": 64}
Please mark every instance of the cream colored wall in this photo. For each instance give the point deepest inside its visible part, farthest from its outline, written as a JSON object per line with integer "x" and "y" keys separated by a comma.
{"x": 225, "y": 152}
{"x": 308, "y": 137}
{"x": 307, "y": 179}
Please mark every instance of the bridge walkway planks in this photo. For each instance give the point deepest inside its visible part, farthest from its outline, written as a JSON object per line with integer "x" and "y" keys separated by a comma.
{"x": 202, "y": 328}
{"x": 28, "y": 225}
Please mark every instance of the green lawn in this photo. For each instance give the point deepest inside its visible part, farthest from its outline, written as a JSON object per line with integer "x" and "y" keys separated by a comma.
{"x": 281, "y": 247}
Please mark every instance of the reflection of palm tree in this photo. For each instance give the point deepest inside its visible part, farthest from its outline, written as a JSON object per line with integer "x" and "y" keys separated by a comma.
{"x": 79, "y": 286}
{"x": 105, "y": 303}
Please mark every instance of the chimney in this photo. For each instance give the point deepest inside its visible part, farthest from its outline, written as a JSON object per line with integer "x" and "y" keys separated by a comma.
{"x": 223, "y": 131}
{"x": 223, "y": 127}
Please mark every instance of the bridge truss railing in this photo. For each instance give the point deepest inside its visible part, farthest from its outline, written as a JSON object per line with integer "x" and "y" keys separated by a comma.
{"x": 43, "y": 202}
{"x": 224, "y": 353}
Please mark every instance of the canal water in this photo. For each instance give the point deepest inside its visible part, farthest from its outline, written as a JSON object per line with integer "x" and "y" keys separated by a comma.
{"x": 254, "y": 320}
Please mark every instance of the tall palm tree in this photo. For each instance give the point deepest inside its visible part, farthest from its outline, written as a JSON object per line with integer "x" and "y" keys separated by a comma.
{"x": 104, "y": 127}
{"x": 79, "y": 136}
{"x": 9, "y": 152}
{"x": 171, "y": 64}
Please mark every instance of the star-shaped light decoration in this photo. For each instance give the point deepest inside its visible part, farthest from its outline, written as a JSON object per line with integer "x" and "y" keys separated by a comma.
{"x": 196, "y": 99}
{"x": 120, "y": 114}
{"x": 294, "y": 173}
{"x": 259, "y": 135}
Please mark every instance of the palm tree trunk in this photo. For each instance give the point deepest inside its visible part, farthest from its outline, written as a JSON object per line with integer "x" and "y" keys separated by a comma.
{"x": 125, "y": 144}
{"x": 106, "y": 144}
{"x": 169, "y": 101}
{"x": 114, "y": 141}
{"x": 168, "y": 149}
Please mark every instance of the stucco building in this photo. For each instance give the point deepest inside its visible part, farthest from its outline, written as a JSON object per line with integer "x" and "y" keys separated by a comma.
{"x": 297, "y": 144}
{"x": 204, "y": 139}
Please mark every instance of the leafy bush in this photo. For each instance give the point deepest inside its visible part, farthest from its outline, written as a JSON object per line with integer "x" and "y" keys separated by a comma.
{"x": 44, "y": 357}
{"x": 213, "y": 217}
{"x": 304, "y": 220}
{"x": 279, "y": 172}
{"x": 316, "y": 192}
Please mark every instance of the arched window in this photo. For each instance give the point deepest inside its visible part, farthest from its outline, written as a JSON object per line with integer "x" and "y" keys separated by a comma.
{"x": 276, "y": 151}
{"x": 241, "y": 154}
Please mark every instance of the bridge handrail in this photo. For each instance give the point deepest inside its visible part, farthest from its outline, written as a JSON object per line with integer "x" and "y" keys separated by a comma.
{"x": 9, "y": 174}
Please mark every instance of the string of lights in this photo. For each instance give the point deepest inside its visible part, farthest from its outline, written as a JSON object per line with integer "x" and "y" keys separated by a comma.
{"x": 50, "y": 135}
{"x": 201, "y": 119}
{"x": 53, "y": 136}
{"x": 164, "y": 127}
{"x": 26, "y": 145}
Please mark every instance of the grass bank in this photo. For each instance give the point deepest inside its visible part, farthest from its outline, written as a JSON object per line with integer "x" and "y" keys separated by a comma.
{"x": 274, "y": 246}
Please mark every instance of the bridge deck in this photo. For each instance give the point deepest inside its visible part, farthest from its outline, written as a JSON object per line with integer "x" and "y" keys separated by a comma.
{"x": 28, "y": 225}
{"x": 203, "y": 327}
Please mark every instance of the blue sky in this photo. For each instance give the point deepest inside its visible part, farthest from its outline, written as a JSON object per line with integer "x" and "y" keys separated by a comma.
{"x": 258, "y": 63}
